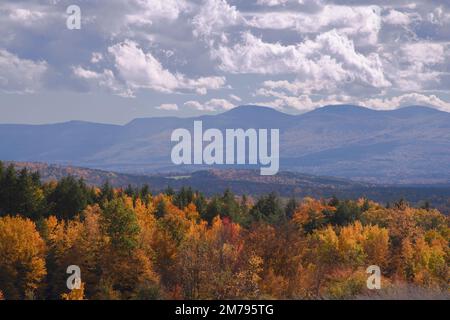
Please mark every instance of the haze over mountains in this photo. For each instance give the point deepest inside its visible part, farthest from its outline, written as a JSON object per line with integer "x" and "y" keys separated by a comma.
{"x": 405, "y": 146}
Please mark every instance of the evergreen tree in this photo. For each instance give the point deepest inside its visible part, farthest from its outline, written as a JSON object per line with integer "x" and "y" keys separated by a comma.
{"x": 183, "y": 197}
{"x": 200, "y": 203}
{"x": 291, "y": 207}
{"x": 161, "y": 209}
{"x": 213, "y": 209}
{"x": 121, "y": 225}
{"x": 145, "y": 193}
{"x": 229, "y": 207}
{"x": 69, "y": 198}
{"x": 106, "y": 192}
{"x": 268, "y": 209}
{"x": 29, "y": 198}
{"x": 8, "y": 191}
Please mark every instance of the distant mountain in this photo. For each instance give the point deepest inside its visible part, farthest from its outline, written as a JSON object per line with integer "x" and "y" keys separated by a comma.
{"x": 404, "y": 146}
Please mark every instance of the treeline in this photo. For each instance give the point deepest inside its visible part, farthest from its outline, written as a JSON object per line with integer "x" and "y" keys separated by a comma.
{"x": 131, "y": 244}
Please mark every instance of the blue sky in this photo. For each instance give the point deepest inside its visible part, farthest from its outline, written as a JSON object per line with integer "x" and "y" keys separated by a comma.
{"x": 141, "y": 58}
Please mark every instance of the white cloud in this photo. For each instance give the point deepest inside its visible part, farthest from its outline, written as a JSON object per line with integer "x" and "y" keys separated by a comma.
{"x": 301, "y": 103}
{"x": 20, "y": 75}
{"x": 235, "y": 97}
{"x": 25, "y": 16}
{"x": 104, "y": 80}
{"x": 194, "y": 105}
{"x": 305, "y": 103}
{"x": 213, "y": 18}
{"x": 168, "y": 107}
{"x": 425, "y": 52}
{"x": 405, "y": 100}
{"x": 96, "y": 57}
{"x": 211, "y": 105}
{"x": 142, "y": 70}
{"x": 416, "y": 66}
{"x": 395, "y": 17}
{"x": 329, "y": 59}
{"x": 273, "y": 3}
{"x": 362, "y": 23}
{"x": 147, "y": 11}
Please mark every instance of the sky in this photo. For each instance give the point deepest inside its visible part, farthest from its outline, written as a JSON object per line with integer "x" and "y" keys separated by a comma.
{"x": 144, "y": 58}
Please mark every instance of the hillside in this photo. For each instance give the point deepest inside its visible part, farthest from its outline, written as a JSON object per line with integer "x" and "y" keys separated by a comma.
{"x": 409, "y": 145}
{"x": 286, "y": 184}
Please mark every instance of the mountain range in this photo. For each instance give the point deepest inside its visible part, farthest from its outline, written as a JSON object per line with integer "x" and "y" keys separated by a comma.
{"x": 410, "y": 145}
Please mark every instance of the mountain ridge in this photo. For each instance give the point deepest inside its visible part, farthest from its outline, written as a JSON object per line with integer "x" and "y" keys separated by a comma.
{"x": 404, "y": 146}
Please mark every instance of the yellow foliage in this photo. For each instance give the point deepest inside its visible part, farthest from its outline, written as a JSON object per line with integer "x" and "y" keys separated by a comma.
{"x": 22, "y": 257}
{"x": 75, "y": 294}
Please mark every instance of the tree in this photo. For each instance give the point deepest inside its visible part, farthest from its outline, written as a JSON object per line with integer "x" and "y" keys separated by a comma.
{"x": 21, "y": 193}
{"x": 145, "y": 193}
{"x": 311, "y": 214}
{"x": 291, "y": 207}
{"x": 230, "y": 207}
{"x": 183, "y": 197}
{"x": 161, "y": 207}
{"x": 8, "y": 191}
{"x": 213, "y": 209}
{"x": 69, "y": 198}
{"x": 120, "y": 225}
{"x": 30, "y": 201}
{"x": 268, "y": 208}
{"x": 75, "y": 294}
{"x": 22, "y": 258}
{"x": 200, "y": 203}
{"x": 106, "y": 192}
{"x": 346, "y": 212}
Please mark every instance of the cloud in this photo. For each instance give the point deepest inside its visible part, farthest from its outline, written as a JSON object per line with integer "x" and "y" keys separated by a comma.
{"x": 104, "y": 80}
{"x": 362, "y": 23}
{"x": 329, "y": 59}
{"x": 305, "y": 103}
{"x": 405, "y": 100}
{"x": 213, "y": 18}
{"x": 142, "y": 70}
{"x": 20, "y": 75}
{"x": 147, "y": 11}
{"x": 395, "y": 17}
{"x": 25, "y": 16}
{"x": 235, "y": 98}
{"x": 96, "y": 57}
{"x": 211, "y": 105}
{"x": 417, "y": 66}
{"x": 301, "y": 103}
{"x": 294, "y": 53}
{"x": 168, "y": 107}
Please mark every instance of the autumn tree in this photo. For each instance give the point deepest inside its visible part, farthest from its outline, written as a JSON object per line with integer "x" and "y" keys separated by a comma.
{"x": 312, "y": 214}
{"x": 22, "y": 258}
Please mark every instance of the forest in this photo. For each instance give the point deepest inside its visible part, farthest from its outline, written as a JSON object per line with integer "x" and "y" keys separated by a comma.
{"x": 130, "y": 243}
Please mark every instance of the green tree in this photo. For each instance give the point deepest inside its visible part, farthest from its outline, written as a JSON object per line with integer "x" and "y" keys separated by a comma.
{"x": 69, "y": 198}
{"x": 268, "y": 208}
{"x": 121, "y": 225}
{"x": 291, "y": 207}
